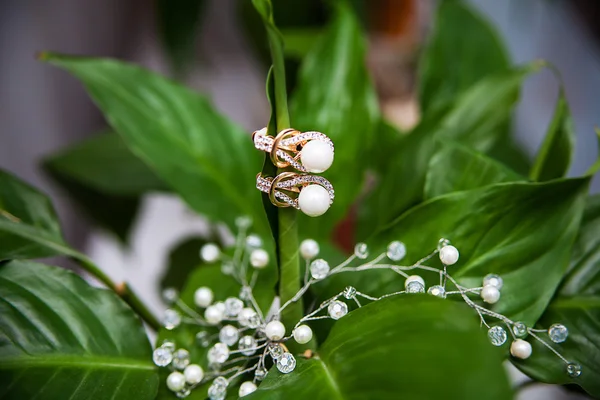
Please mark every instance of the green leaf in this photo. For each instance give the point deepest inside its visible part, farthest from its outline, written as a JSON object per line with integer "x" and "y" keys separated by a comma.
{"x": 102, "y": 171}
{"x": 554, "y": 156}
{"x": 61, "y": 338}
{"x": 207, "y": 159}
{"x": 463, "y": 49}
{"x": 300, "y": 41}
{"x": 455, "y": 167}
{"x": 403, "y": 347}
{"x": 577, "y": 306}
{"x": 184, "y": 258}
{"x": 336, "y": 96}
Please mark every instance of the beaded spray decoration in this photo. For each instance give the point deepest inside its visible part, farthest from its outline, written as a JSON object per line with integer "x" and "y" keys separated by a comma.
{"x": 249, "y": 335}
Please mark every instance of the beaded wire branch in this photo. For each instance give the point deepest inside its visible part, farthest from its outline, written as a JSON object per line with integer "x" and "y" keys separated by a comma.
{"x": 248, "y": 340}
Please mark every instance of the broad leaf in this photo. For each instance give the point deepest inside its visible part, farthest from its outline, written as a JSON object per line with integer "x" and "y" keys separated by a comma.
{"x": 403, "y": 347}
{"x": 63, "y": 339}
{"x": 554, "y": 156}
{"x": 207, "y": 159}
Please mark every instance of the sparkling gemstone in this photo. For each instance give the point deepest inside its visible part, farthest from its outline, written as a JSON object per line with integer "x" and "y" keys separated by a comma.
{"x": 247, "y": 345}
{"x": 396, "y": 251}
{"x": 172, "y": 319}
{"x": 361, "y": 251}
{"x": 246, "y": 293}
{"x": 162, "y": 357}
{"x": 170, "y": 295}
{"x": 181, "y": 358}
{"x": 558, "y": 333}
{"x": 227, "y": 268}
{"x": 350, "y": 292}
{"x": 519, "y": 329}
{"x": 253, "y": 241}
{"x": 229, "y": 335}
{"x": 202, "y": 338}
{"x": 437, "y": 291}
{"x": 218, "y": 389}
{"x": 276, "y": 351}
{"x": 248, "y": 318}
{"x": 260, "y": 373}
{"x": 286, "y": 363}
{"x": 319, "y": 269}
{"x": 337, "y": 309}
{"x": 574, "y": 370}
{"x": 497, "y": 335}
{"x": 243, "y": 222}
{"x": 493, "y": 280}
{"x": 415, "y": 287}
{"x": 218, "y": 354}
{"x": 233, "y": 306}
{"x": 182, "y": 394}
{"x": 167, "y": 344}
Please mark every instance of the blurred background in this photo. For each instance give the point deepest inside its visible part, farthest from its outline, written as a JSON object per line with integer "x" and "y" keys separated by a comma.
{"x": 42, "y": 110}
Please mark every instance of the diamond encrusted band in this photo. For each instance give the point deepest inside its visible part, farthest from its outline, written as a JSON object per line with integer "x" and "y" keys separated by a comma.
{"x": 290, "y": 182}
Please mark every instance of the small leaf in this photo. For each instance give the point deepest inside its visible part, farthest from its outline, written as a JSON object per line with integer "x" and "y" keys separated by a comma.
{"x": 554, "y": 156}
{"x": 63, "y": 339}
{"x": 370, "y": 355}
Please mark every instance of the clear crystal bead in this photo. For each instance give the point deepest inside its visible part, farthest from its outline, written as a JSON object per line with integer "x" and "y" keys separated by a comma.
{"x": 437, "y": 291}
{"x": 396, "y": 251}
{"x": 254, "y": 241}
{"x": 170, "y": 295}
{"x": 243, "y": 222}
{"x": 162, "y": 357}
{"x": 520, "y": 330}
{"x": 249, "y": 318}
{"x": 218, "y": 389}
{"x": 415, "y": 287}
{"x": 574, "y": 370}
{"x": 493, "y": 280}
{"x": 361, "y": 251}
{"x": 319, "y": 269}
{"x": 350, "y": 292}
{"x": 286, "y": 363}
{"x": 227, "y": 268}
{"x": 218, "y": 354}
{"x": 183, "y": 393}
{"x": 260, "y": 373}
{"x": 558, "y": 333}
{"x": 497, "y": 335}
{"x": 247, "y": 345}
{"x": 181, "y": 358}
{"x": 246, "y": 293}
{"x": 202, "y": 338}
{"x": 233, "y": 306}
{"x": 337, "y": 309}
{"x": 275, "y": 350}
{"x": 172, "y": 319}
{"x": 169, "y": 345}
{"x": 229, "y": 335}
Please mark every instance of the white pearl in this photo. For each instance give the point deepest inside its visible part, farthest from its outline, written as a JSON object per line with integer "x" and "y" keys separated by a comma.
{"x": 314, "y": 200}
{"x": 449, "y": 255}
{"x": 246, "y": 388}
{"x": 303, "y": 334}
{"x": 193, "y": 374}
{"x": 176, "y": 381}
{"x": 309, "y": 249}
{"x": 520, "y": 349}
{"x": 316, "y": 156}
{"x": 210, "y": 252}
{"x": 490, "y": 294}
{"x": 275, "y": 330}
{"x": 414, "y": 278}
{"x": 203, "y": 296}
{"x": 213, "y": 314}
{"x": 259, "y": 258}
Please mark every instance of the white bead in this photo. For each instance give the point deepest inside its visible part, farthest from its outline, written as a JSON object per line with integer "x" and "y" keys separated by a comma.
{"x": 309, "y": 249}
{"x": 316, "y": 156}
{"x": 449, "y": 255}
{"x": 303, "y": 334}
{"x": 203, "y": 296}
{"x": 193, "y": 374}
{"x": 314, "y": 200}
{"x": 213, "y": 314}
{"x": 414, "y": 278}
{"x": 176, "y": 381}
{"x": 246, "y": 388}
{"x": 275, "y": 330}
{"x": 210, "y": 252}
{"x": 259, "y": 258}
{"x": 490, "y": 294}
{"x": 520, "y": 349}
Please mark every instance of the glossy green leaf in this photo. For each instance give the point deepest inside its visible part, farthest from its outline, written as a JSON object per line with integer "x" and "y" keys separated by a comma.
{"x": 577, "y": 306}
{"x": 204, "y": 157}
{"x": 105, "y": 179}
{"x": 300, "y": 41}
{"x": 412, "y": 347}
{"x": 184, "y": 258}
{"x": 463, "y": 49}
{"x": 455, "y": 167}
{"x": 554, "y": 156}
{"x": 63, "y": 339}
{"x": 336, "y": 96}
